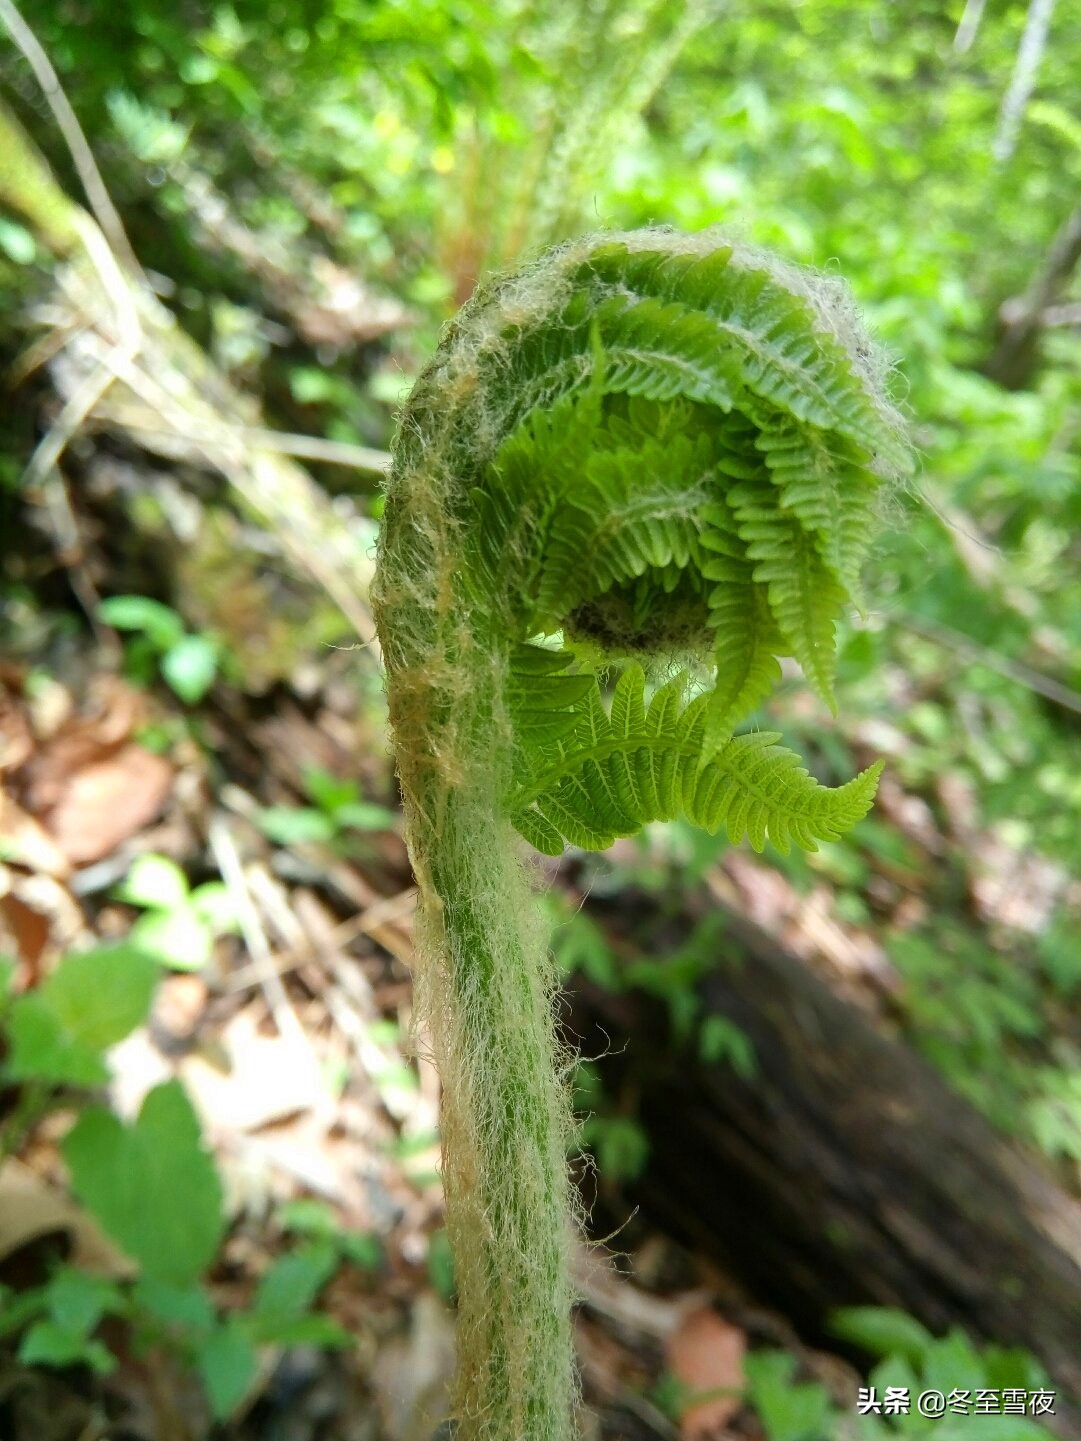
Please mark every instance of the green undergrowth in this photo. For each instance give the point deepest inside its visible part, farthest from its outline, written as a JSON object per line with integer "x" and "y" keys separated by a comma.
{"x": 152, "y": 1187}
{"x": 920, "y": 1385}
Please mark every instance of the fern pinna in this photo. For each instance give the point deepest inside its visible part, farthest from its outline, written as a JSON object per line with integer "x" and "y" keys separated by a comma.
{"x": 633, "y": 477}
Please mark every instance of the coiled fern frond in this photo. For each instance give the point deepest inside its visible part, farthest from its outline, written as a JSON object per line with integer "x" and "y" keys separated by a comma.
{"x": 607, "y": 775}
{"x": 656, "y": 457}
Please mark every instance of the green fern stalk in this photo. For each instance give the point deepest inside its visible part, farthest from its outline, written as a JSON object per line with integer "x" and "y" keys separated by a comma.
{"x": 632, "y": 478}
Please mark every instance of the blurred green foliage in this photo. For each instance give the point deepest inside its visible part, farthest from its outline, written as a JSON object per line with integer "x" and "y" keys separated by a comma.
{"x": 792, "y": 1408}
{"x": 153, "y": 1188}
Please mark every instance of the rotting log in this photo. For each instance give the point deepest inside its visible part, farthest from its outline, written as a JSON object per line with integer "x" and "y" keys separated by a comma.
{"x": 121, "y": 363}
{"x": 845, "y": 1171}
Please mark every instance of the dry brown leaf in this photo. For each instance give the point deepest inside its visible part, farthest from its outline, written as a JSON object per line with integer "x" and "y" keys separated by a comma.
{"x": 25, "y": 842}
{"x": 16, "y": 740}
{"x": 108, "y": 801}
{"x": 37, "y": 912}
{"x": 103, "y": 724}
{"x": 706, "y": 1354}
{"x": 30, "y": 1208}
{"x": 28, "y": 928}
{"x": 267, "y": 1079}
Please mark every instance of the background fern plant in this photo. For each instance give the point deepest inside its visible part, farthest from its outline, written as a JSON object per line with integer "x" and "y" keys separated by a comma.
{"x": 653, "y": 459}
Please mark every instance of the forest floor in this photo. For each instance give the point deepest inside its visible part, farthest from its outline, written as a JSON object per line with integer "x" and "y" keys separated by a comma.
{"x": 292, "y": 1030}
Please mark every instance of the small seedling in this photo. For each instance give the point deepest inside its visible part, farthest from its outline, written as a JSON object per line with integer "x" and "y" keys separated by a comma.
{"x": 179, "y": 924}
{"x": 188, "y": 662}
{"x": 337, "y": 810}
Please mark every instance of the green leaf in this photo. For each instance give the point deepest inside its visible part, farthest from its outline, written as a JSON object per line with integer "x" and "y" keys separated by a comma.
{"x": 159, "y": 623}
{"x": 580, "y": 945}
{"x": 720, "y": 1039}
{"x": 154, "y": 881}
{"x": 42, "y": 1050}
{"x": 48, "y": 1344}
{"x": 17, "y": 1309}
{"x": 189, "y": 667}
{"x": 226, "y": 1363}
{"x": 789, "y": 1411}
{"x": 308, "y": 1329}
{"x": 953, "y": 1361}
{"x": 363, "y": 1248}
{"x": 364, "y": 816}
{"x": 310, "y": 1218}
{"x": 296, "y": 825}
{"x": 100, "y": 996}
{"x": 882, "y": 1330}
{"x": 328, "y": 791}
{"x": 91, "y": 1001}
{"x": 289, "y": 1288}
{"x": 213, "y": 903}
{"x": 77, "y": 1300}
{"x": 188, "y": 1308}
{"x": 151, "y": 1185}
{"x": 611, "y": 775}
{"x": 180, "y": 938}
{"x": 1059, "y": 951}
{"x": 621, "y": 1145}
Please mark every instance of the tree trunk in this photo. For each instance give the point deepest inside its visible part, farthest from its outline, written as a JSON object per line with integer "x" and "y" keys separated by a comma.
{"x": 845, "y": 1171}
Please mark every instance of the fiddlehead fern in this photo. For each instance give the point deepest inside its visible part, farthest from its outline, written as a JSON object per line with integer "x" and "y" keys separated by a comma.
{"x": 656, "y": 455}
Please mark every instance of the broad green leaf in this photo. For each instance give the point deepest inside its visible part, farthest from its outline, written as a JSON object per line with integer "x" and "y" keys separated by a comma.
{"x": 77, "y": 1300}
{"x": 362, "y": 1248}
{"x": 226, "y": 1363}
{"x": 365, "y": 816}
{"x": 100, "y": 996}
{"x": 213, "y": 903}
{"x": 288, "y": 1289}
{"x": 720, "y": 1039}
{"x": 789, "y": 1411}
{"x": 308, "y": 1329}
{"x": 151, "y": 1185}
{"x": 328, "y": 791}
{"x": 621, "y": 1145}
{"x": 16, "y": 242}
{"x": 310, "y": 1218}
{"x": 441, "y": 1265}
{"x": 41, "y": 1049}
{"x": 188, "y": 1308}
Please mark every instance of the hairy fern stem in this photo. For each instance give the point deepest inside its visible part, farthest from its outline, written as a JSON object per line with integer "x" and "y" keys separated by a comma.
{"x": 505, "y": 1123}
{"x": 486, "y": 987}
{"x": 631, "y": 478}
